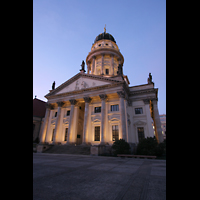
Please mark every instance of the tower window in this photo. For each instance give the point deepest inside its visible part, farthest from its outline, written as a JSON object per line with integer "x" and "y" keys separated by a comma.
{"x": 99, "y": 45}
{"x": 107, "y": 71}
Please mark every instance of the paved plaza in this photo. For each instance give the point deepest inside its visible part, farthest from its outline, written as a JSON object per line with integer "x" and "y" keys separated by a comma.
{"x": 77, "y": 177}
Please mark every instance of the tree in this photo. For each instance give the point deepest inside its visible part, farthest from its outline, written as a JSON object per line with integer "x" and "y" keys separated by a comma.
{"x": 121, "y": 147}
{"x": 149, "y": 146}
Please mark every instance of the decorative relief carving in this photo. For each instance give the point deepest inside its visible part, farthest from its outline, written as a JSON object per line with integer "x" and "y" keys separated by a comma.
{"x": 139, "y": 122}
{"x": 79, "y": 86}
{"x": 84, "y": 85}
{"x": 66, "y": 120}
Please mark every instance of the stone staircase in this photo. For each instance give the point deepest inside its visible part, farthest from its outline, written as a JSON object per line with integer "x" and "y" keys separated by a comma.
{"x": 68, "y": 149}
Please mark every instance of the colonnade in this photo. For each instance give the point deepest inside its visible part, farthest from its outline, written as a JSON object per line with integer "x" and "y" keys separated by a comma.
{"x": 73, "y": 102}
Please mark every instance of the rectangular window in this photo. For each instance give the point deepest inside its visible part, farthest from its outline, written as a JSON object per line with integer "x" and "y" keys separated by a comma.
{"x": 52, "y": 134}
{"x": 138, "y": 111}
{"x": 140, "y": 133}
{"x": 114, "y": 107}
{"x": 55, "y": 114}
{"x": 68, "y": 113}
{"x": 115, "y": 132}
{"x": 66, "y": 131}
{"x": 97, "y": 133}
{"x": 107, "y": 71}
{"x": 97, "y": 109}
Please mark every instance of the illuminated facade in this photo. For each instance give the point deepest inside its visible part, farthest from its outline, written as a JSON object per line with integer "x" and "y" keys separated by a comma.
{"x": 98, "y": 106}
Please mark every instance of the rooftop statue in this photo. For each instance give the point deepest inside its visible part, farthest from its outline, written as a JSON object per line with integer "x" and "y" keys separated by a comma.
{"x": 83, "y": 66}
{"x": 149, "y": 80}
{"x": 53, "y": 85}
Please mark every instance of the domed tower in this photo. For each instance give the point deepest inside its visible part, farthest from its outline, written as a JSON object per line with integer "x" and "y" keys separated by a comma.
{"x": 104, "y": 57}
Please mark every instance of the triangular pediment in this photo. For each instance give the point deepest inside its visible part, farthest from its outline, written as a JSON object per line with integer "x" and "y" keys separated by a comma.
{"x": 82, "y": 82}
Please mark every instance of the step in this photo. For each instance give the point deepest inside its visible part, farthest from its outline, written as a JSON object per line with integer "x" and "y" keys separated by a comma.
{"x": 68, "y": 149}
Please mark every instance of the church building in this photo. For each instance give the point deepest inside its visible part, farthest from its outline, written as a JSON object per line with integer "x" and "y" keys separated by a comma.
{"x": 98, "y": 106}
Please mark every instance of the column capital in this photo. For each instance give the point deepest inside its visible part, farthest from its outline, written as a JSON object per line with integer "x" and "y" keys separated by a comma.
{"x": 129, "y": 102}
{"x": 72, "y": 101}
{"x": 94, "y": 57}
{"x": 121, "y": 94}
{"x": 154, "y": 100}
{"x": 87, "y": 99}
{"x": 49, "y": 106}
{"x": 146, "y": 101}
{"x": 60, "y": 103}
{"x": 103, "y": 96}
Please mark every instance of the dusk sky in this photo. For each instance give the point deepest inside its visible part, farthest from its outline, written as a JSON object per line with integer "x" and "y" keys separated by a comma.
{"x": 64, "y": 31}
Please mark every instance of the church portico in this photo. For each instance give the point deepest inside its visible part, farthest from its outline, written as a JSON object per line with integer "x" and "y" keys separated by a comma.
{"x": 98, "y": 107}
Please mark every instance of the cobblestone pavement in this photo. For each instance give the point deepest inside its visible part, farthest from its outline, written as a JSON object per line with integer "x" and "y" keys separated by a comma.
{"x": 77, "y": 177}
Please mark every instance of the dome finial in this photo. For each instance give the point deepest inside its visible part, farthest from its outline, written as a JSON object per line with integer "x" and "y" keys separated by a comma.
{"x": 105, "y": 29}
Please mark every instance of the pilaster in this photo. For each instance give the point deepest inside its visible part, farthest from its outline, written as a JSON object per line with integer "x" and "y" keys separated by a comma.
{"x": 93, "y": 65}
{"x": 112, "y": 63}
{"x": 149, "y": 119}
{"x": 157, "y": 123}
{"x": 88, "y": 67}
{"x": 102, "y": 64}
{"x": 121, "y": 95}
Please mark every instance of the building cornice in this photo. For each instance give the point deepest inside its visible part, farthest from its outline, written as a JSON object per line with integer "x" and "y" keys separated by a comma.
{"x": 145, "y": 91}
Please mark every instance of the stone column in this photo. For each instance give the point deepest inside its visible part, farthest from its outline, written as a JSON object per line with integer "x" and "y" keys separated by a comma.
{"x": 149, "y": 119}
{"x": 57, "y": 125}
{"x": 73, "y": 102}
{"x": 88, "y": 67}
{"x": 102, "y": 64}
{"x": 46, "y": 120}
{"x": 112, "y": 64}
{"x": 157, "y": 123}
{"x": 85, "y": 124}
{"x": 93, "y": 64}
{"x": 103, "y": 107}
{"x": 122, "y": 113}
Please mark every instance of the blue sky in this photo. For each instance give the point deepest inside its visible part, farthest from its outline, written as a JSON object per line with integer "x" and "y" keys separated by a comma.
{"x": 64, "y": 31}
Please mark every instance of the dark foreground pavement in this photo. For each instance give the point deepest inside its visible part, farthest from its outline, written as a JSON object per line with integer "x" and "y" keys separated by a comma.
{"x": 75, "y": 177}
